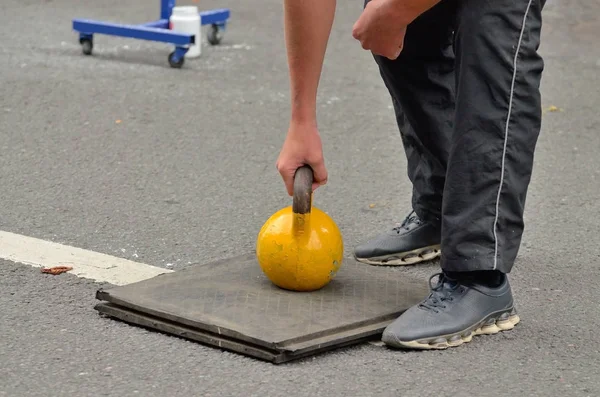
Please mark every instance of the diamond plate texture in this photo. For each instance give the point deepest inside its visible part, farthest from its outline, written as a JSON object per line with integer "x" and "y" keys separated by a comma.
{"x": 232, "y": 297}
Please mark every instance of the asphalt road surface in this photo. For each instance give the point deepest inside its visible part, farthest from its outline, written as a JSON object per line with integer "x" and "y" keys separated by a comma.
{"x": 119, "y": 154}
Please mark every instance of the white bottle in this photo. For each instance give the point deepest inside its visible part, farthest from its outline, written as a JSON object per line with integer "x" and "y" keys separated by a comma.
{"x": 186, "y": 19}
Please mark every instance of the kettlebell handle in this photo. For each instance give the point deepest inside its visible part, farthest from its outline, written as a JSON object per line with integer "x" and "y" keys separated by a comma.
{"x": 303, "y": 181}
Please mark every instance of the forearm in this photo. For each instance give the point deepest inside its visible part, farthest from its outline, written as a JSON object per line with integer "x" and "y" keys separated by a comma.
{"x": 307, "y": 28}
{"x": 408, "y": 10}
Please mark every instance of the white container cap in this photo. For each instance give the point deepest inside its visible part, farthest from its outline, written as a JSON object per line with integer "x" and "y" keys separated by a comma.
{"x": 185, "y": 10}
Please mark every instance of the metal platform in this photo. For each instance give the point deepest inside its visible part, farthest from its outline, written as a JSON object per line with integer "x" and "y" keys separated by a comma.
{"x": 230, "y": 304}
{"x": 155, "y": 31}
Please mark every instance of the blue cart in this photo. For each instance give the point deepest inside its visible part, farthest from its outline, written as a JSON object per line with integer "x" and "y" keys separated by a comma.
{"x": 155, "y": 31}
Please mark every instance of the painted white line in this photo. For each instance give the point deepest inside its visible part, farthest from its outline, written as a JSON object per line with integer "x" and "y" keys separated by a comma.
{"x": 87, "y": 264}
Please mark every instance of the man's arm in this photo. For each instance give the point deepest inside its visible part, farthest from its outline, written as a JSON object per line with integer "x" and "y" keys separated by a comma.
{"x": 307, "y": 28}
{"x": 382, "y": 25}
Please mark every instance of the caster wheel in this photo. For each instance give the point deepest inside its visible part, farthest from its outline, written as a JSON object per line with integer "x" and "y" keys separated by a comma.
{"x": 214, "y": 34}
{"x": 175, "y": 63}
{"x": 87, "y": 46}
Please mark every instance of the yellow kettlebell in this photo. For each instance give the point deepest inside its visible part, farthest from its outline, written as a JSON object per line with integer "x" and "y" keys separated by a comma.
{"x": 300, "y": 248}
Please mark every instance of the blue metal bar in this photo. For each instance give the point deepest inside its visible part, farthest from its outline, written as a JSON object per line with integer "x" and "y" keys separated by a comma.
{"x": 207, "y": 18}
{"x": 132, "y": 31}
{"x": 217, "y": 16}
{"x": 160, "y": 24}
{"x": 166, "y": 8}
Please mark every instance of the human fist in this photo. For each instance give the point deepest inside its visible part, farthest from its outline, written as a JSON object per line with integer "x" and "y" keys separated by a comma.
{"x": 302, "y": 146}
{"x": 379, "y": 29}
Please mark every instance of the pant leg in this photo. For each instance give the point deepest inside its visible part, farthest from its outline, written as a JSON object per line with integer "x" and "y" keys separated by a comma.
{"x": 421, "y": 84}
{"x": 497, "y": 123}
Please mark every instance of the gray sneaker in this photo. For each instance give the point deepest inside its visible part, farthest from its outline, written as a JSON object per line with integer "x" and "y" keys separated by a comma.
{"x": 452, "y": 314}
{"x": 411, "y": 242}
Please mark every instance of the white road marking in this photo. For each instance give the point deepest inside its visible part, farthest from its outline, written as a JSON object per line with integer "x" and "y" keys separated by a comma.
{"x": 87, "y": 264}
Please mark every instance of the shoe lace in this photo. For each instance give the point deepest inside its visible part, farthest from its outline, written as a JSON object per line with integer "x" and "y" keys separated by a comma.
{"x": 441, "y": 292}
{"x": 410, "y": 218}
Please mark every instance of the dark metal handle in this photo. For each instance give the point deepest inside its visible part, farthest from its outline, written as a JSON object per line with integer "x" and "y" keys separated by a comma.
{"x": 303, "y": 181}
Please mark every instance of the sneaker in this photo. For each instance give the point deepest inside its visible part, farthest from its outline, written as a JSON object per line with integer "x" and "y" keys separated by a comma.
{"x": 411, "y": 242}
{"x": 453, "y": 313}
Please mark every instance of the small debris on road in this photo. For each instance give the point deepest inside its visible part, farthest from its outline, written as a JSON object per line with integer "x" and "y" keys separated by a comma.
{"x": 56, "y": 270}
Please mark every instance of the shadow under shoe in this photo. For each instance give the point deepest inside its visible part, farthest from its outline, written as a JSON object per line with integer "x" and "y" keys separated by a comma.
{"x": 413, "y": 241}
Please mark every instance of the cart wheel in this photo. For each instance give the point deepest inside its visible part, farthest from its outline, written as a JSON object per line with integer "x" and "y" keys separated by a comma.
{"x": 174, "y": 62}
{"x": 214, "y": 34}
{"x": 86, "y": 46}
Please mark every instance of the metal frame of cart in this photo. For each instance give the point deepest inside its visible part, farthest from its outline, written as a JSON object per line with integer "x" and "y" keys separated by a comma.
{"x": 155, "y": 31}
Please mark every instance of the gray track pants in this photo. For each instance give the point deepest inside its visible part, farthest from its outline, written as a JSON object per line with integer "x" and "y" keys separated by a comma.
{"x": 466, "y": 95}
